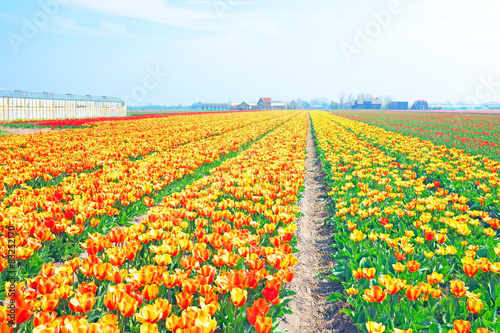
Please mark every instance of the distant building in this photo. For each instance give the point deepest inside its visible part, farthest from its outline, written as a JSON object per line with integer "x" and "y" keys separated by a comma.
{"x": 247, "y": 106}
{"x": 264, "y": 103}
{"x": 278, "y": 106}
{"x": 367, "y": 104}
{"x": 420, "y": 105}
{"x": 398, "y": 106}
{"x": 492, "y": 105}
{"x": 26, "y": 105}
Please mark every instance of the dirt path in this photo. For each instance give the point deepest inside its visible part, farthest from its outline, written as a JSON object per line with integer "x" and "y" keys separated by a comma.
{"x": 311, "y": 311}
{"x": 24, "y": 131}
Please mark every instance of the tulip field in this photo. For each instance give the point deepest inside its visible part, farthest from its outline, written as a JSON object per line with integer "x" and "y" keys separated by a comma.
{"x": 416, "y": 238}
{"x": 474, "y": 133}
{"x": 187, "y": 223}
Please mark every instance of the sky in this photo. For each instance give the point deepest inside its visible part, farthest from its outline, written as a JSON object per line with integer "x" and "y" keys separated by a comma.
{"x": 171, "y": 52}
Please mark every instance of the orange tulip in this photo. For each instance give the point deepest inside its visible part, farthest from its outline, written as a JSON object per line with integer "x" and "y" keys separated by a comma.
{"x": 148, "y": 314}
{"x": 394, "y": 286}
{"x": 128, "y": 305}
{"x": 149, "y": 328}
{"x": 163, "y": 307}
{"x": 375, "y": 294}
{"x": 470, "y": 269}
{"x": 84, "y": 288}
{"x": 483, "y": 330}
{"x": 263, "y": 324}
{"x": 352, "y": 291}
{"x": 398, "y": 267}
{"x": 434, "y": 278}
{"x": 184, "y": 299}
{"x": 374, "y": 327}
{"x": 148, "y": 201}
{"x": 63, "y": 292}
{"x": 369, "y": 273}
{"x": 358, "y": 274}
{"x": 150, "y": 292}
{"x": 42, "y": 318}
{"x": 102, "y": 270}
{"x": 190, "y": 286}
{"x": 48, "y": 270}
{"x": 82, "y": 303}
{"x": 112, "y": 299}
{"x": 46, "y": 286}
{"x": 474, "y": 305}
{"x": 173, "y": 323}
{"x": 118, "y": 276}
{"x": 49, "y": 302}
{"x": 458, "y": 288}
{"x": 412, "y": 265}
{"x": 24, "y": 309}
{"x": 413, "y": 293}
{"x": 238, "y": 296}
{"x": 260, "y": 307}
{"x": 462, "y": 326}
{"x": 188, "y": 317}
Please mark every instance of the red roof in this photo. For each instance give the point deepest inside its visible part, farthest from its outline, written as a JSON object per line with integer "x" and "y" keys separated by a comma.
{"x": 266, "y": 100}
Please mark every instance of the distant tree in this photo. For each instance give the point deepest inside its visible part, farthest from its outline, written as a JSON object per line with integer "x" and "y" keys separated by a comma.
{"x": 341, "y": 98}
{"x": 301, "y": 104}
{"x": 365, "y": 96}
{"x": 292, "y": 105}
{"x": 386, "y": 101}
{"x": 335, "y": 106}
{"x": 315, "y": 102}
{"x": 349, "y": 101}
{"x": 197, "y": 106}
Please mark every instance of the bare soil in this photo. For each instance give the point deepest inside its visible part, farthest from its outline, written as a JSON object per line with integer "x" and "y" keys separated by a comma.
{"x": 24, "y": 131}
{"x": 311, "y": 311}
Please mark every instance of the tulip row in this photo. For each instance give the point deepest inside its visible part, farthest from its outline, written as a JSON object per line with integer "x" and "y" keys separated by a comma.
{"x": 425, "y": 260}
{"x": 36, "y": 159}
{"x": 58, "y": 215}
{"x": 214, "y": 255}
{"x": 476, "y": 177}
{"x": 474, "y": 133}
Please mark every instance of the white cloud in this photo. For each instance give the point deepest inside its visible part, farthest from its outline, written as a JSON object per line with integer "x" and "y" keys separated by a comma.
{"x": 152, "y": 10}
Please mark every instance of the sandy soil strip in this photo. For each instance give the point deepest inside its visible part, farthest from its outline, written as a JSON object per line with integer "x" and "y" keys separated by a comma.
{"x": 24, "y": 131}
{"x": 311, "y": 311}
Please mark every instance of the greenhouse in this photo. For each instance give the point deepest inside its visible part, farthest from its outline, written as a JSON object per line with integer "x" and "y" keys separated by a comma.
{"x": 24, "y": 105}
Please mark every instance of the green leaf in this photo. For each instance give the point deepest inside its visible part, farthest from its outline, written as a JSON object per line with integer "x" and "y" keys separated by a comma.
{"x": 347, "y": 312}
{"x": 335, "y": 297}
{"x": 435, "y": 328}
{"x": 491, "y": 287}
{"x": 361, "y": 318}
{"x": 334, "y": 278}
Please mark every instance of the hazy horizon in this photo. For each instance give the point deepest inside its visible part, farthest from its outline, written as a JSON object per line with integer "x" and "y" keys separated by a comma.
{"x": 182, "y": 52}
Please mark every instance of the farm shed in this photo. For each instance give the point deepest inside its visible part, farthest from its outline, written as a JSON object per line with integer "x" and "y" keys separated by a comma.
{"x": 398, "y": 106}
{"x": 367, "y": 104}
{"x": 420, "y": 105}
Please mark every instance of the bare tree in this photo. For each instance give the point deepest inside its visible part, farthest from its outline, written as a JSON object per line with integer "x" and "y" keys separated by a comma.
{"x": 364, "y": 96}
{"x": 342, "y": 97}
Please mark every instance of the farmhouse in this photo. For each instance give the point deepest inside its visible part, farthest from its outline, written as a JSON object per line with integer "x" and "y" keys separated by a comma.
{"x": 247, "y": 106}
{"x": 264, "y": 103}
{"x": 420, "y": 105}
{"x": 367, "y": 104}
